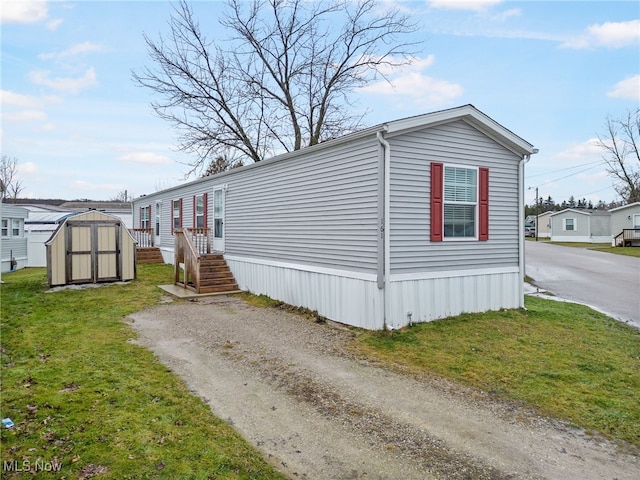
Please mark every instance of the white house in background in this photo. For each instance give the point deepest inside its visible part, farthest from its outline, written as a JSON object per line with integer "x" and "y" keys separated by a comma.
{"x": 408, "y": 221}
{"x": 577, "y": 225}
{"x": 543, "y": 228}
{"x": 13, "y": 252}
{"x": 38, "y": 229}
{"x": 625, "y": 223}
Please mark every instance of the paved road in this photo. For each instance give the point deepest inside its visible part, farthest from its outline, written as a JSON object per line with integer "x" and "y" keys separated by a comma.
{"x": 608, "y": 282}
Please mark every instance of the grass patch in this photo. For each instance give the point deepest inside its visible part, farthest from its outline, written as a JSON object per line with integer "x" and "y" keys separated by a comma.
{"x": 85, "y": 399}
{"x": 566, "y": 360}
{"x": 263, "y": 301}
{"x": 601, "y": 247}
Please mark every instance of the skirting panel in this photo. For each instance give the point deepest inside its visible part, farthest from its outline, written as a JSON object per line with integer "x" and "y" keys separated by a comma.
{"x": 344, "y": 299}
{"x": 423, "y": 300}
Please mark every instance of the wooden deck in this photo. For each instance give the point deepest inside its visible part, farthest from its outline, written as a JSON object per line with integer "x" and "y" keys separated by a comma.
{"x": 629, "y": 237}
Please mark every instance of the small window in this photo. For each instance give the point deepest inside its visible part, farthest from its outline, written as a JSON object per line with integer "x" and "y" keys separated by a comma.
{"x": 144, "y": 217}
{"x": 158, "y": 211}
{"x": 5, "y": 227}
{"x": 177, "y": 214}
{"x": 636, "y": 221}
{"x": 569, "y": 224}
{"x": 199, "y": 212}
{"x": 460, "y": 201}
{"x": 16, "y": 227}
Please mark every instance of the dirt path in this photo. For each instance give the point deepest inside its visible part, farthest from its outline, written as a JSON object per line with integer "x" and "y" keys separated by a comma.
{"x": 289, "y": 387}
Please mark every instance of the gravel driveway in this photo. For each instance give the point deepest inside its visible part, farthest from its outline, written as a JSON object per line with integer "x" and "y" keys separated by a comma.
{"x": 292, "y": 389}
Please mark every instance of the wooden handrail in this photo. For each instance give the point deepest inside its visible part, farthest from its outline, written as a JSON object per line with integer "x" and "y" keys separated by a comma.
{"x": 627, "y": 236}
{"x": 144, "y": 237}
{"x": 187, "y": 254}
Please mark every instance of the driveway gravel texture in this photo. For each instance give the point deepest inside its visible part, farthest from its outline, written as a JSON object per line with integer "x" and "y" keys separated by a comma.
{"x": 292, "y": 388}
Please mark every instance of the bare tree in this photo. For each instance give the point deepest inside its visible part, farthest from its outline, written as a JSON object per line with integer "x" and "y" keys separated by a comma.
{"x": 282, "y": 80}
{"x": 123, "y": 196}
{"x": 11, "y": 186}
{"x": 621, "y": 144}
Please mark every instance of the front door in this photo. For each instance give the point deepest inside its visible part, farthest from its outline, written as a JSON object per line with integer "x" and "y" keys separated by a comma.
{"x": 218, "y": 219}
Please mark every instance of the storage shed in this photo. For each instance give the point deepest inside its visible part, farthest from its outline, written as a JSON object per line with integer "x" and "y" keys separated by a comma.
{"x": 91, "y": 247}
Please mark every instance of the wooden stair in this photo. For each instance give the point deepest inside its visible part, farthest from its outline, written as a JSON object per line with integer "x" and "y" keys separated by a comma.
{"x": 215, "y": 275}
{"x": 149, "y": 255}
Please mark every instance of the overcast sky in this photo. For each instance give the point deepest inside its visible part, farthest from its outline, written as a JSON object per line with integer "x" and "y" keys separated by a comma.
{"x": 549, "y": 71}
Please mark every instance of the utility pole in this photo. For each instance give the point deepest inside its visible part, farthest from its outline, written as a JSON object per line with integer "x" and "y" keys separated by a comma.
{"x": 537, "y": 212}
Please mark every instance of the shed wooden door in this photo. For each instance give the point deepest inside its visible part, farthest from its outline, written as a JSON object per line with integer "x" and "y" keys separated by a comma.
{"x": 93, "y": 252}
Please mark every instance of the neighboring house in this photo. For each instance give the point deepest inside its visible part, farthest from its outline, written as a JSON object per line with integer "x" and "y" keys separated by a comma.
{"x": 13, "y": 252}
{"x": 577, "y": 225}
{"x": 625, "y": 222}
{"x": 38, "y": 228}
{"x": 409, "y": 221}
{"x": 543, "y": 229}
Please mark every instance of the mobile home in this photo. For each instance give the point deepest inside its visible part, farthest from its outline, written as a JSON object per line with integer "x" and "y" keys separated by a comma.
{"x": 408, "y": 221}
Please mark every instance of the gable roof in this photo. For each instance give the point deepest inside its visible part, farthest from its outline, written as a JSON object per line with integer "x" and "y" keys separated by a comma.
{"x": 602, "y": 213}
{"x": 467, "y": 113}
{"x": 635, "y": 204}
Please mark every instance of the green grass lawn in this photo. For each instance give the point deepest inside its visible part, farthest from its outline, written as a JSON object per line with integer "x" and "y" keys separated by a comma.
{"x": 565, "y": 360}
{"x": 600, "y": 247}
{"x": 85, "y": 398}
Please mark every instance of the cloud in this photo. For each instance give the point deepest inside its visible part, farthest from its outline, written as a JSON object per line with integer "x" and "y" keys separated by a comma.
{"x": 146, "y": 158}
{"x": 9, "y": 98}
{"x": 608, "y": 34}
{"x": 64, "y": 85}
{"x": 77, "y": 49}
{"x": 54, "y": 24}
{"x": 411, "y": 82}
{"x": 27, "y": 168}
{"x": 25, "y": 116}
{"x": 475, "y": 5}
{"x": 84, "y": 186}
{"x": 506, "y": 14}
{"x": 23, "y": 11}
{"x": 629, "y": 88}
{"x": 581, "y": 152}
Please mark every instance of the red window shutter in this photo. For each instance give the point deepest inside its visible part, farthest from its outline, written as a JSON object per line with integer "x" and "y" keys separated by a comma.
{"x": 194, "y": 221}
{"x": 483, "y": 204}
{"x": 205, "y": 201}
{"x": 436, "y": 201}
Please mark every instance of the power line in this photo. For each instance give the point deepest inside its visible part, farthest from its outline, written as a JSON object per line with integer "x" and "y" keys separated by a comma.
{"x": 564, "y": 169}
{"x": 567, "y": 176}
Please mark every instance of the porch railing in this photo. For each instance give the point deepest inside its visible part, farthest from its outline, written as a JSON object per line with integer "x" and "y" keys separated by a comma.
{"x": 143, "y": 236}
{"x": 201, "y": 239}
{"x": 186, "y": 254}
{"x": 628, "y": 236}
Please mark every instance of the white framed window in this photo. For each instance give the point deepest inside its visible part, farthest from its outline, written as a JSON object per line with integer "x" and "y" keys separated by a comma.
{"x": 144, "y": 217}
{"x": 460, "y": 202}
{"x": 199, "y": 212}
{"x": 569, "y": 224}
{"x": 636, "y": 220}
{"x": 157, "y": 222}
{"x": 5, "y": 227}
{"x": 16, "y": 227}
{"x": 176, "y": 209}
